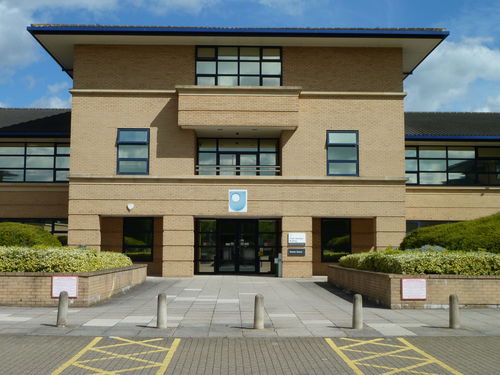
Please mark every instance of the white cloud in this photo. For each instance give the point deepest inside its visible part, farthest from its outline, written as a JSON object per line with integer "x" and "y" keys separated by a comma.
{"x": 56, "y": 87}
{"x": 3, "y": 105}
{"x": 166, "y": 6}
{"x": 492, "y": 105}
{"x": 90, "y": 5}
{"x": 51, "y": 102}
{"x": 291, "y": 7}
{"x": 448, "y": 73}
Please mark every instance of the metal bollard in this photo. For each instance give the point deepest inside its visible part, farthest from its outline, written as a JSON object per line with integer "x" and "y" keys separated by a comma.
{"x": 161, "y": 316}
{"x": 454, "y": 312}
{"x": 258, "y": 317}
{"x": 357, "y": 312}
{"x": 62, "y": 309}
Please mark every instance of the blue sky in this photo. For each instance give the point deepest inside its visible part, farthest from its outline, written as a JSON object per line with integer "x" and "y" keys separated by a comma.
{"x": 463, "y": 74}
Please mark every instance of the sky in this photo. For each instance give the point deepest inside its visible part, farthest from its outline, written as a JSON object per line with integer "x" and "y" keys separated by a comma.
{"x": 462, "y": 74}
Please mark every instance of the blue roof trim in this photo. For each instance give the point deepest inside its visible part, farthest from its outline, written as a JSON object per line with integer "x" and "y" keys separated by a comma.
{"x": 454, "y": 137}
{"x": 171, "y": 30}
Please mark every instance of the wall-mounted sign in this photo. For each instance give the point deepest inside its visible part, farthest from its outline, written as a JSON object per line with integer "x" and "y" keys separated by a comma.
{"x": 296, "y": 252}
{"x": 65, "y": 283}
{"x": 414, "y": 289}
{"x": 296, "y": 238}
{"x": 237, "y": 201}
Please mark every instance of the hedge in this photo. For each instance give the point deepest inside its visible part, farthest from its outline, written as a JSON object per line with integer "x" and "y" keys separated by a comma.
{"x": 478, "y": 234}
{"x": 17, "y": 234}
{"x": 21, "y": 259}
{"x": 425, "y": 262}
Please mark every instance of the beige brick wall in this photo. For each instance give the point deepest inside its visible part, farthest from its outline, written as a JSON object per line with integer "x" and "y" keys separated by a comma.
{"x": 33, "y": 200}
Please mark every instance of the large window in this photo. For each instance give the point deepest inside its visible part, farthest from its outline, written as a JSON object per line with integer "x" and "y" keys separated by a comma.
{"x": 238, "y": 157}
{"x": 133, "y": 151}
{"x": 34, "y": 162}
{"x": 342, "y": 153}
{"x": 58, "y": 227}
{"x": 452, "y": 165}
{"x": 335, "y": 237}
{"x": 238, "y": 66}
{"x": 138, "y": 238}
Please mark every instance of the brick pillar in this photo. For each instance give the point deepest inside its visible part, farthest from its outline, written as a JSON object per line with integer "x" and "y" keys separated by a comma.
{"x": 297, "y": 266}
{"x": 389, "y": 231}
{"x": 362, "y": 235}
{"x": 84, "y": 230}
{"x": 178, "y": 246}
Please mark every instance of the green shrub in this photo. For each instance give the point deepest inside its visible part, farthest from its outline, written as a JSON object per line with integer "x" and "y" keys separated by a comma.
{"x": 333, "y": 256}
{"x": 17, "y": 234}
{"x": 478, "y": 234}
{"x": 425, "y": 262}
{"x": 19, "y": 259}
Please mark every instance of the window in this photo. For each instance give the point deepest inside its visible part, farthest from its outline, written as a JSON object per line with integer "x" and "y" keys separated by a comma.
{"x": 238, "y": 157}
{"x": 238, "y": 66}
{"x": 133, "y": 151}
{"x": 342, "y": 153}
{"x": 335, "y": 237}
{"x": 138, "y": 238}
{"x": 57, "y": 227}
{"x": 452, "y": 165}
{"x": 415, "y": 224}
{"x": 34, "y": 162}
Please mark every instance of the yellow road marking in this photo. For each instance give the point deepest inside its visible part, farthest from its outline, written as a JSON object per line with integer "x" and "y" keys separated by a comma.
{"x": 125, "y": 343}
{"x": 168, "y": 358}
{"x": 354, "y": 363}
{"x": 76, "y": 356}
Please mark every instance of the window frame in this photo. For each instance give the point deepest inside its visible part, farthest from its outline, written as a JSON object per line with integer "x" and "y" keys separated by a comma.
{"x": 238, "y": 60}
{"x": 150, "y": 258}
{"x": 341, "y": 161}
{"x": 132, "y": 143}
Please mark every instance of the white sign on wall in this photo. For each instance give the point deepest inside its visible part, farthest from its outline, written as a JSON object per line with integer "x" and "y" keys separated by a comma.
{"x": 296, "y": 238}
{"x": 65, "y": 283}
{"x": 237, "y": 200}
{"x": 414, "y": 289}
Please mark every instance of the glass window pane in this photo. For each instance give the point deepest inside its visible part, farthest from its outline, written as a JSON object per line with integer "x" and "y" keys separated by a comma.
{"x": 205, "y": 67}
{"x": 228, "y": 68}
{"x": 205, "y": 81}
{"x": 41, "y": 175}
{"x": 11, "y": 161}
{"x": 267, "y": 159}
{"x": 432, "y": 165}
{"x": 335, "y": 235}
{"x": 411, "y": 165}
{"x": 207, "y": 239}
{"x": 248, "y": 159}
{"x": 62, "y": 175}
{"x": 249, "y": 53}
{"x": 11, "y": 175}
{"x": 207, "y": 144}
{"x": 39, "y": 162}
{"x": 268, "y": 145}
{"x": 207, "y": 225}
{"x": 267, "y": 239}
{"x": 461, "y": 165}
{"x": 133, "y": 151}
{"x": 11, "y": 149}
{"x": 335, "y": 168}
{"x": 433, "y": 178}
{"x": 129, "y": 135}
{"x": 411, "y": 152}
{"x": 488, "y": 152}
{"x": 227, "y": 81}
{"x": 138, "y": 238}
{"x": 270, "y": 81}
{"x": 62, "y": 162}
{"x": 39, "y": 149}
{"x": 62, "y": 149}
{"x": 205, "y": 158}
{"x": 131, "y": 166}
{"x": 342, "y": 137}
{"x": 206, "y": 52}
{"x": 271, "y": 68}
{"x": 267, "y": 225}
{"x": 461, "y": 179}
{"x": 249, "y": 81}
{"x": 227, "y": 159}
{"x": 492, "y": 166}
{"x": 432, "y": 152}
{"x": 238, "y": 145}
{"x": 412, "y": 178}
{"x": 461, "y": 152}
{"x": 342, "y": 153}
{"x": 228, "y": 53}
{"x": 271, "y": 53}
{"x": 249, "y": 68}
{"x": 489, "y": 179}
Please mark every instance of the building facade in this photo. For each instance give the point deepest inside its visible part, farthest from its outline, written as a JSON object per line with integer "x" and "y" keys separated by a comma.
{"x": 212, "y": 150}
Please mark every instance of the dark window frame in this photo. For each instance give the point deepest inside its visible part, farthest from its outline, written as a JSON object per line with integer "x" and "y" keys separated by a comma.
{"x": 132, "y": 143}
{"x": 238, "y": 75}
{"x": 25, "y": 156}
{"x": 448, "y": 170}
{"x": 322, "y": 230}
{"x": 340, "y": 161}
{"x": 150, "y": 258}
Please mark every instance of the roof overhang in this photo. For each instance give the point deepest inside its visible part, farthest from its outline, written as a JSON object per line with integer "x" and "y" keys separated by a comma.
{"x": 59, "y": 40}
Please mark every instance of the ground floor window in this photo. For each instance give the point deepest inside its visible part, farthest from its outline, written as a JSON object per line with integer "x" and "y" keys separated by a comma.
{"x": 58, "y": 227}
{"x": 236, "y": 245}
{"x": 138, "y": 238}
{"x": 415, "y": 224}
{"x": 335, "y": 237}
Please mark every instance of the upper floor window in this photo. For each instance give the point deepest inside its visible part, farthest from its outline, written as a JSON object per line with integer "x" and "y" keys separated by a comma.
{"x": 238, "y": 66}
{"x": 452, "y": 165}
{"x": 342, "y": 153}
{"x": 133, "y": 151}
{"x": 242, "y": 157}
{"x": 34, "y": 162}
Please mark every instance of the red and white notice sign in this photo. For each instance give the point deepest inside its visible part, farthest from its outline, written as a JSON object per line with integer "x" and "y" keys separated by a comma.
{"x": 65, "y": 283}
{"x": 414, "y": 289}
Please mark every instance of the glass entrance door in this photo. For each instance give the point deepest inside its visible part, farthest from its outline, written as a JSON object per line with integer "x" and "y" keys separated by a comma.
{"x": 236, "y": 250}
